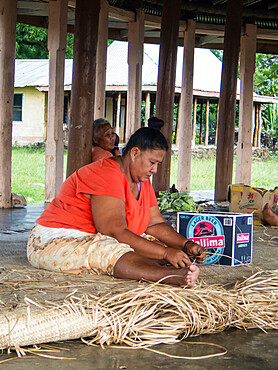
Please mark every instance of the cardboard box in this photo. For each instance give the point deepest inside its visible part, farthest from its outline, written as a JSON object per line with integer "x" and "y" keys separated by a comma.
{"x": 227, "y": 237}
{"x": 245, "y": 199}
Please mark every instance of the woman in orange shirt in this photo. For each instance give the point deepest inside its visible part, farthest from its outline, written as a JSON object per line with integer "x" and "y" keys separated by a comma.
{"x": 105, "y": 220}
{"x": 103, "y": 140}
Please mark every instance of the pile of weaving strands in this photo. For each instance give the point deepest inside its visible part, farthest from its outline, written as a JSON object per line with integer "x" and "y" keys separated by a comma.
{"x": 147, "y": 315}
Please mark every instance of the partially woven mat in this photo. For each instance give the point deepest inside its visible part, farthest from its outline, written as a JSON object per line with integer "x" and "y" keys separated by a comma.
{"x": 145, "y": 315}
{"x": 39, "y": 306}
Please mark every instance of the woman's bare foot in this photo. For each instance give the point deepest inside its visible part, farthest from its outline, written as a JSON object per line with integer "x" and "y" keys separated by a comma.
{"x": 269, "y": 216}
{"x": 135, "y": 267}
{"x": 192, "y": 275}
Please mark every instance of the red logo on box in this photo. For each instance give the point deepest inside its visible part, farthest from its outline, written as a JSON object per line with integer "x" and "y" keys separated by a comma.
{"x": 242, "y": 238}
{"x": 210, "y": 241}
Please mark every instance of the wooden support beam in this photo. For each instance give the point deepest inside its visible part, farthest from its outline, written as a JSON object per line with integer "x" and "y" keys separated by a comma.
{"x": 114, "y": 108}
{"x": 123, "y": 122}
{"x": 135, "y": 62}
{"x": 185, "y": 124}
{"x": 36, "y": 21}
{"x": 207, "y": 123}
{"x": 147, "y": 107}
{"x": 101, "y": 60}
{"x": 201, "y": 124}
{"x": 247, "y": 70}
{"x": 83, "y": 84}
{"x": 226, "y": 128}
{"x": 259, "y": 125}
{"x": 166, "y": 83}
{"x": 118, "y": 114}
{"x": 153, "y": 97}
{"x": 194, "y": 121}
{"x": 253, "y": 120}
{"x": 54, "y": 149}
{"x": 216, "y": 124}
{"x": 255, "y": 130}
{"x": 121, "y": 14}
{"x": 32, "y": 7}
{"x": 7, "y": 56}
{"x": 178, "y": 121}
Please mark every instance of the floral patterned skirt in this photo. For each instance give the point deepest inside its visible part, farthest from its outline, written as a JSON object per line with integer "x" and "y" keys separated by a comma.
{"x": 73, "y": 251}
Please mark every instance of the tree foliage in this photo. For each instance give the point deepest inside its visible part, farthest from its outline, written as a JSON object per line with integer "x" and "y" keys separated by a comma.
{"x": 266, "y": 83}
{"x": 266, "y": 75}
{"x": 31, "y": 43}
{"x": 218, "y": 54}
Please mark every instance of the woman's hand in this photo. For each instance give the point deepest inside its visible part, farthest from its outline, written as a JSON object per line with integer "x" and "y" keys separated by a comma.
{"x": 176, "y": 257}
{"x": 195, "y": 251}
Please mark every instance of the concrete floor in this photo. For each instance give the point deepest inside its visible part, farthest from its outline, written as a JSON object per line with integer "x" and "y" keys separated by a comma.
{"x": 246, "y": 350}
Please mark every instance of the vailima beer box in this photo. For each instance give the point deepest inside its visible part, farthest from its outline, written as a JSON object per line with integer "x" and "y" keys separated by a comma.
{"x": 227, "y": 237}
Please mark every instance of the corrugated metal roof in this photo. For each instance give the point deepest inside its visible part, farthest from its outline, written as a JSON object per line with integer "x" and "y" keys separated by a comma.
{"x": 207, "y": 68}
{"x": 34, "y": 72}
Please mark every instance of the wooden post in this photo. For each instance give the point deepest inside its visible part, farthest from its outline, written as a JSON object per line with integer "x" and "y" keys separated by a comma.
{"x": 178, "y": 121}
{"x": 201, "y": 125}
{"x": 99, "y": 110}
{"x": 54, "y": 148}
{"x": 69, "y": 109}
{"x": 114, "y": 105}
{"x": 109, "y": 108}
{"x": 123, "y": 123}
{"x": 153, "y": 96}
{"x": 8, "y": 14}
{"x": 147, "y": 107}
{"x": 259, "y": 125}
{"x": 135, "y": 62}
{"x": 254, "y": 121}
{"x": 118, "y": 114}
{"x": 255, "y": 131}
{"x": 226, "y": 128}
{"x": 185, "y": 124}
{"x": 166, "y": 83}
{"x": 83, "y": 84}
{"x": 216, "y": 124}
{"x": 247, "y": 70}
{"x": 194, "y": 121}
{"x": 207, "y": 123}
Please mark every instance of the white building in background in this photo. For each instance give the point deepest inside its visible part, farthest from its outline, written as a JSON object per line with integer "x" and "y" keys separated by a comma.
{"x": 31, "y": 88}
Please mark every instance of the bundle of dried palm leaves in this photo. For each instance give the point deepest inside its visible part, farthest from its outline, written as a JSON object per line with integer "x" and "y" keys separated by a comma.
{"x": 147, "y": 315}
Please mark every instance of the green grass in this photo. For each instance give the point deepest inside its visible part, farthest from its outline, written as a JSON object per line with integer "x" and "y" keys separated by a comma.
{"x": 202, "y": 173}
{"x": 264, "y": 174}
{"x": 28, "y": 166}
{"x": 28, "y": 172}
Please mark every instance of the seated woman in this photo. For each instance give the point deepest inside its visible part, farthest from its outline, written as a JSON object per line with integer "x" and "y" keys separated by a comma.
{"x": 116, "y": 150}
{"x": 269, "y": 216}
{"x": 103, "y": 216}
{"x": 156, "y": 123}
{"x": 103, "y": 140}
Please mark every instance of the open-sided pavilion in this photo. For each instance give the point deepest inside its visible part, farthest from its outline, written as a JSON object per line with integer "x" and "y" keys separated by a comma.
{"x": 239, "y": 27}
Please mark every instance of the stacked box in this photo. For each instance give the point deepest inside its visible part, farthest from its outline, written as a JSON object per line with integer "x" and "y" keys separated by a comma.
{"x": 245, "y": 199}
{"x": 227, "y": 237}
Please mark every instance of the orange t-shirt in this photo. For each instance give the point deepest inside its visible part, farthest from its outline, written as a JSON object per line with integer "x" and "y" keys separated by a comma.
{"x": 72, "y": 210}
{"x": 100, "y": 153}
